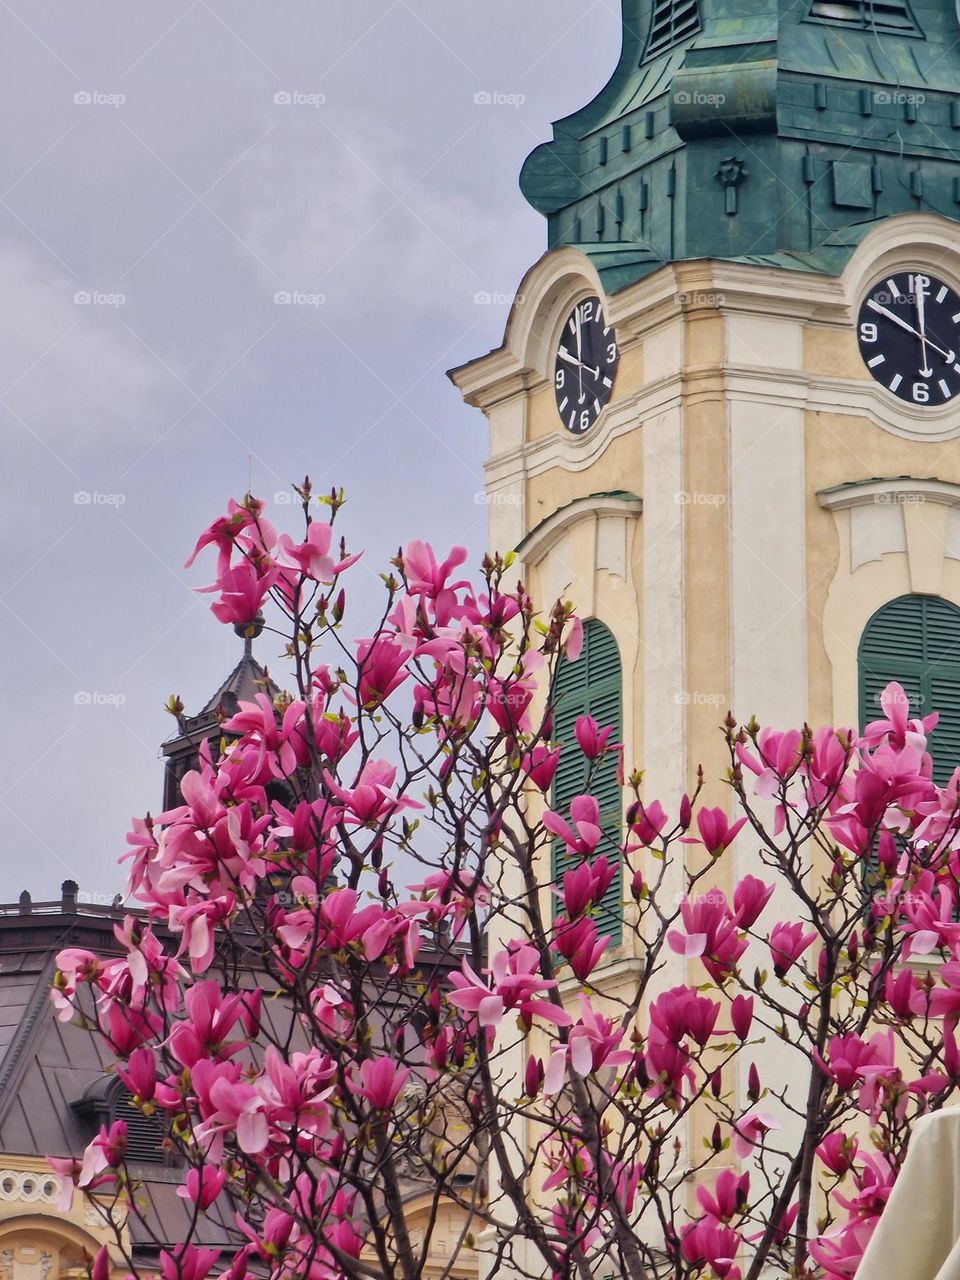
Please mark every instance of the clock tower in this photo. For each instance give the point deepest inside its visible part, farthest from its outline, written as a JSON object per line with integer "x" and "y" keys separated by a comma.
{"x": 725, "y": 416}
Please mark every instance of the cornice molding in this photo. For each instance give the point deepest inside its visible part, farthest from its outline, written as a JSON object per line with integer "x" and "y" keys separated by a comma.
{"x": 883, "y": 491}
{"x": 594, "y": 506}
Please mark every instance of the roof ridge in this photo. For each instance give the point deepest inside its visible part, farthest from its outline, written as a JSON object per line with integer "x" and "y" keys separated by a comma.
{"x": 27, "y": 1030}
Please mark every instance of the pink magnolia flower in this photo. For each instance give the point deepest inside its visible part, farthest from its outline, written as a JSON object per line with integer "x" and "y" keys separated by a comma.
{"x": 225, "y": 530}
{"x": 540, "y": 765}
{"x": 74, "y": 966}
{"x": 187, "y": 1262}
{"x": 584, "y": 833}
{"x": 381, "y": 1082}
{"x": 591, "y": 739}
{"x": 787, "y": 944}
{"x": 577, "y": 942}
{"x": 573, "y": 645}
{"x": 196, "y": 924}
{"x": 710, "y": 934}
{"x": 228, "y": 1105}
{"x": 646, "y": 822}
{"x": 584, "y": 886}
{"x": 140, "y": 1074}
{"x": 280, "y": 741}
{"x": 242, "y": 592}
{"x": 381, "y": 664}
{"x": 711, "y": 1242}
{"x": 729, "y": 1195}
{"x": 312, "y": 557}
{"x": 716, "y": 830}
{"x": 591, "y": 1044}
{"x": 898, "y": 727}
{"x": 851, "y": 1059}
{"x": 751, "y": 1130}
{"x": 838, "y": 1152}
{"x": 900, "y": 993}
{"x": 749, "y": 899}
{"x": 210, "y": 1018}
{"x": 508, "y": 701}
{"x": 426, "y": 577}
{"x": 372, "y": 798}
{"x": 203, "y": 1185}
{"x": 515, "y": 981}
{"x": 100, "y": 1270}
{"x": 741, "y": 1012}
{"x": 682, "y": 1012}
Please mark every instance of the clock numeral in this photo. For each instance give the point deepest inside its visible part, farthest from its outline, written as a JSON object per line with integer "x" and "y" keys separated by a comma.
{"x": 561, "y": 379}
{"x": 921, "y": 393}
{"x": 586, "y": 312}
{"x": 585, "y": 420}
{"x": 868, "y": 332}
{"x": 611, "y": 353}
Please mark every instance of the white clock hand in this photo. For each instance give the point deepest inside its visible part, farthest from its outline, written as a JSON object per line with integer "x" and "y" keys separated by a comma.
{"x": 565, "y": 355}
{"x": 579, "y": 356}
{"x": 949, "y": 356}
{"x": 920, "y": 291}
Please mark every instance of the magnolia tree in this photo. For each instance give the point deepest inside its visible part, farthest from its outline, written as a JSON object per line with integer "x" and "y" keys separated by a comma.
{"x": 451, "y": 1036}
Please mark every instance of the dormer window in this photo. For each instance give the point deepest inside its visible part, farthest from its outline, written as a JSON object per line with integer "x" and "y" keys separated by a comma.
{"x": 867, "y": 15}
{"x": 107, "y": 1100}
{"x": 672, "y": 22}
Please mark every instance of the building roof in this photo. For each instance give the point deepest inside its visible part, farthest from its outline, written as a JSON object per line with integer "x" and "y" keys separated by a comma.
{"x": 769, "y": 133}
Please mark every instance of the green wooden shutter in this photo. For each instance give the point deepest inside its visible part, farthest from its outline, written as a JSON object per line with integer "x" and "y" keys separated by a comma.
{"x": 916, "y": 641}
{"x": 593, "y": 685}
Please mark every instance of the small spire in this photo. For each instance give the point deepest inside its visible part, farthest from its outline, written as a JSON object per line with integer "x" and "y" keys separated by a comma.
{"x": 248, "y": 632}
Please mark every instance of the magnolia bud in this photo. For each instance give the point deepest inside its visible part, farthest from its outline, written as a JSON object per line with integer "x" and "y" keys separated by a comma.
{"x": 753, "y": 1083}
{"x": 533, "y": 1077}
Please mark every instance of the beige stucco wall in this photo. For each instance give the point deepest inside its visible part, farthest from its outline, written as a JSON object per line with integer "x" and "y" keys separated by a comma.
{"x": 741, "y": 401}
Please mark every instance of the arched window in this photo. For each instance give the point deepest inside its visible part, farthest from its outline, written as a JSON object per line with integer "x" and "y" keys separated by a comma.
{"x": 915, "y": 640}
{"x": 868, "y": 15}
{"x": 591, "y": 686}
{"x": 672, "y": 21}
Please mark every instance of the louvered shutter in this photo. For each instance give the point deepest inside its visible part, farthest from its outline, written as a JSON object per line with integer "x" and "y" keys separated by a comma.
{"x": 870, "y": 15}
{"x": 916, "y": 641}
{"x": 593, "y": 685}
{"x": 144, "y": 1133}
{"x": 672, "y": 21}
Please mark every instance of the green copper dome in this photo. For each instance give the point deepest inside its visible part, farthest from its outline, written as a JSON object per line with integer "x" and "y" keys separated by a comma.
{"x": 776, "y": 131}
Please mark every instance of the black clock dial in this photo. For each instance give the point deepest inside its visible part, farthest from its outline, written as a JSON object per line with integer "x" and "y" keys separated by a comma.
{"x": 909, "y": 335}
{"x": 586, "y": 366}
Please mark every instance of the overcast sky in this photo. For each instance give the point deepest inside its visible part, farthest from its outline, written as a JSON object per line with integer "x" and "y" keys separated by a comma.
{"x": 168, "y": 168}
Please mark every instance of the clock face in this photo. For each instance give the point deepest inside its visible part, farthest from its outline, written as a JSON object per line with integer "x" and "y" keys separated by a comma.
{"x": 586, "y": 367}
{"x": 909, "y": 335}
